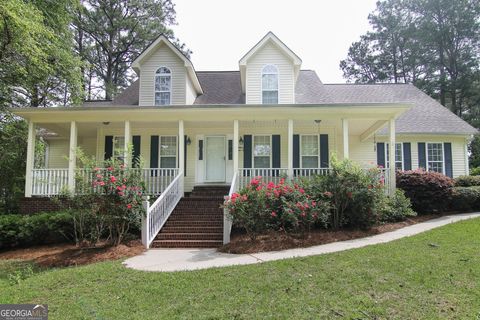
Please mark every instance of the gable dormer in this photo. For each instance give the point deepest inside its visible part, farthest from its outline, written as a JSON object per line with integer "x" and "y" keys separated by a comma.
{"x": 166, "y": 75}
{"x": 269, "y": 72}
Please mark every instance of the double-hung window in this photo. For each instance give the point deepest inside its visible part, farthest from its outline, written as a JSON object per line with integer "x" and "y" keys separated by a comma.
{"x": 435, "y": 158}
{"x": 398, "y": 156}
{"x": 163, "y": 86}
{"x": 309, "y": 151}
{"x": 269, "y": 84}
{"x": 262, "y": 151}
{"x": 168, "y": 152}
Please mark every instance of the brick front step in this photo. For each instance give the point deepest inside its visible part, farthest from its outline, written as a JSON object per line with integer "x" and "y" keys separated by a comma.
{"x": 187, "y": 243}
{"x": 193, "y": 223}
{"x": 192, "y": 229}
{"x": 196, "y": 217}
{"x": 189, "y": 236}
{"x": 199, "y": 211}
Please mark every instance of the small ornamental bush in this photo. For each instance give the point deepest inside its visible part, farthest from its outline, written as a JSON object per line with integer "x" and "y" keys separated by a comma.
{"x": 475, "y": 171}
{"x": 355, "y": 194}
{"x": 465, "y": 198}
{"x": 467, "y": 181}
{"x": 260, "y": 207}
{"x": 429, "y": 192}
{"x": 397, "y": 208}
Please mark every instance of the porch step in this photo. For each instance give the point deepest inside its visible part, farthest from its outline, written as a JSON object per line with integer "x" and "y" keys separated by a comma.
{"x": 186, "y": 243}
{"x": 196, "y": 222}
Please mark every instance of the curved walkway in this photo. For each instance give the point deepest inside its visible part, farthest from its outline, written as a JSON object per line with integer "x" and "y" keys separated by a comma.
{"x": 192, "y": 259}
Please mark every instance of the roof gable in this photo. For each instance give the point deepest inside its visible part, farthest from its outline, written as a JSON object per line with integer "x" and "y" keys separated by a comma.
{"x": 157, "y": 43}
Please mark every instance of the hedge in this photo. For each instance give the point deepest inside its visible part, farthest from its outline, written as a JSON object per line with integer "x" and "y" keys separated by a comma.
{"x": 28, "y": 230}
{"x": 465, "y": 198}
{"x": 467, "y": 181}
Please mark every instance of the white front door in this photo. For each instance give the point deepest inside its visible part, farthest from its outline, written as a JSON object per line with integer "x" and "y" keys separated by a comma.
{"x": 215, "y": 159}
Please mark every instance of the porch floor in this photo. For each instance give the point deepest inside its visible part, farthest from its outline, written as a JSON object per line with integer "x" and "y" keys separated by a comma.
{"x": 192, "y": 259}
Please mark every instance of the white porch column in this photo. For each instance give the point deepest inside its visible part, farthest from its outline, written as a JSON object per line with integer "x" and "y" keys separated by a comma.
{"x": 72, "y": 157}
{"x": 391, "y": 152}
{"x": 290, "y": 149}
{"x": 128, "y": 138}
{"x": 181, "y": 146}
{"x": 235, "y": 146}
{"x": 345, "y": 138}
{"x": 30, "y": 159}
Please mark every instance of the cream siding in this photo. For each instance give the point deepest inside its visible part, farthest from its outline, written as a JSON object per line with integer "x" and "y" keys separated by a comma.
{"x": 58, "y": 153}
{"x": 162, "y": 56}
{"x": 270, "y": 54}
{"x": 191, "y": 94}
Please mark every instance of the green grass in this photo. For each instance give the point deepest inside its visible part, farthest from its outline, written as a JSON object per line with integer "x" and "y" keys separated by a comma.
{"x": 429, "y": 276}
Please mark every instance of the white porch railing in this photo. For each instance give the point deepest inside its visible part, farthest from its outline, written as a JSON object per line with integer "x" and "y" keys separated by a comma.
{"x": 49, "y": 182}
{"x": 157, "y": 214}
{"x": 268, "y": 175}
{"x": 310, "y": 172}
{"x": 227, "y": 221}
{"x": 385, "y": 177}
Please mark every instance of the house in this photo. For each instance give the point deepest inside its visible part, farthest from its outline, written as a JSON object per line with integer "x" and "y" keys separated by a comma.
{"x": 270, "y": 118}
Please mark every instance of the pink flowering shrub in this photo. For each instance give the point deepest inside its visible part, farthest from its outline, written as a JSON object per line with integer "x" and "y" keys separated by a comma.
{"x": 261, "y": 206}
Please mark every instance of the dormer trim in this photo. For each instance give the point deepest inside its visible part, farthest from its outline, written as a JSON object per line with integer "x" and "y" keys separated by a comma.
{"x": 270, "y": 37}
{"x": 162, "y": 39}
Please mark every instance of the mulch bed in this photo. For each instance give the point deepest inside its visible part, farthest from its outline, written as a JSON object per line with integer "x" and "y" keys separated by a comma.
{"x": 64, "y": 255}
{"x": 275, "y": 241}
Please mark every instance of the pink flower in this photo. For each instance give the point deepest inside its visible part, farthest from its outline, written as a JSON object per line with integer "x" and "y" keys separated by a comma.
{"x": 97, "y": 169}
{"x": 259, "y": 188}
{"x": 328, "y": 194}
{"x": 282, "y": 181}
{"x": 270, "y": 185}
{"x": 121, "y": 194}
{"x": 273, "y": 214}
{"x": 129, "y": 206}
{"x": 110, "y": 169}
{"x": 301, "y": 191}
{"x": 113, "y": 179}
{"x": 245, "y": 198}
{"x": 124, "y": 187}
{"x": 101, "y": 183}
{"x": 99, "y": 176}
{"x": 119, "y": 188}
{"x": 254, "y": 182}
{"x": 314, "y": 204}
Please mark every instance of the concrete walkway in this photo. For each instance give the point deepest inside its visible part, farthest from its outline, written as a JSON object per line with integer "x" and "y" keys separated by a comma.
{"x": 192, "y": 259}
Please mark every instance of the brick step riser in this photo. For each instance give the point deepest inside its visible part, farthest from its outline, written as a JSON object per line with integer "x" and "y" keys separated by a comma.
{"x": 211, "y": 188}
{"x": 204, "y": 200}
{"x": 199, "y": 207}
{"x": 197, "y": 211}
{"x": 202, "y": 197}
{"x": 196, "y": 218}
{"x": 218, "y": 229}
{"x": 180, "y": 244}
{"x": 193, "y": 224}
{"x": 186, "y": 236}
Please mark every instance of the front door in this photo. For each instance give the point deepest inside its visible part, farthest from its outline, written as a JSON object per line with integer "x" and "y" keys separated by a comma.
{"x": 215, "y": 159}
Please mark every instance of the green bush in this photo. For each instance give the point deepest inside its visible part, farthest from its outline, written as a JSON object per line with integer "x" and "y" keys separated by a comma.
{"x": 475, "y": 171}
{"x": 397, "y": 208}
{"x": 465, "y": 198}
{"x": 467, "y": 181}
{"x": 29, "y": 230}
{"x": 355, "y": 194}
{"x": 429, "y": 192}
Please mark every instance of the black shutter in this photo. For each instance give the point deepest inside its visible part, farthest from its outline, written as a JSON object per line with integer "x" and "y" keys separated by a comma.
{"x": 407, "y": 156}
{"x": 108, "y": 147}
{"x": 381, "y": 154}
{"x": 422, "y": 160}
{"x": 276, "y": 151}
{"x": 296, "y": 152}
{"x": 230, "y": 149}
{"x": 200, "y": 149}
{"x": 185, "y": 138}
{"x": 447, "y": 146}
{"x": 324, "y": 154}
{"x": 136, "y": 151}
{"x": 154, "y": 154}
{"x": 247, "y": 151}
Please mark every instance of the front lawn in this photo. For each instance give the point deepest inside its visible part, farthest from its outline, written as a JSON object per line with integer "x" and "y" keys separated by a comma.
{"x": 432, "y": 275}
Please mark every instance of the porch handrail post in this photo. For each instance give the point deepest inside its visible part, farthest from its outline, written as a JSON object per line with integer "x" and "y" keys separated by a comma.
{"x": 235, "y": 146}
{"x": 391, "y": 151}
{"x": 127, "y": 139}
{"x": 30, "y": 159}
{"x": 72, "y": 157}
{"x": 290, "y": 149}
{"x": 345, "y": 139}
{"x": 145, "y": 222}
{"x": 181, "y": 148}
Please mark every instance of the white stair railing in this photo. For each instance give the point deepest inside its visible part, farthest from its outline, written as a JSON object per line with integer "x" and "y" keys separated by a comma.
{"x": 157, "y": 214}
{"x": 227, "y": 220}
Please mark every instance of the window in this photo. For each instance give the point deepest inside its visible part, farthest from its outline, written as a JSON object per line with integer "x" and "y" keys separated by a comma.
{"x": 119, "y": 147}
{"x": 168, "y": 152}
{"x": 435, "y": 157}
{"x": 398, "y": 156}
{"x": 270, "y": 85}
{"x": 309, "y": 151}
{"x": 262, "y": 151}
{"x": 163, "y": 86}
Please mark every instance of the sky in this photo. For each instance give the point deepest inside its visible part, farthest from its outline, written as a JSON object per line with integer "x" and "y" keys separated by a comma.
{"x": 220, "y": 32}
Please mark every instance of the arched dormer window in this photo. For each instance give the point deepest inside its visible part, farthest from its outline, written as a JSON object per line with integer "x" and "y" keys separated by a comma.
{"x": 163, "y": 86}
{"x": 270, "y": 84}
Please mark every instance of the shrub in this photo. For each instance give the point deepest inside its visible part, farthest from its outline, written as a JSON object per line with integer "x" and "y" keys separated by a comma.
{"x": 467, "y": 181}
{"x": 429, "y": 192}
{"x": 42, "y": 228}
{"x": 397, "y": 208}
{"x": 260, "y": 207}
{"x": 475, "y": 171}
{"x": 465, "y": 198}
{"x": 355, "y": 194}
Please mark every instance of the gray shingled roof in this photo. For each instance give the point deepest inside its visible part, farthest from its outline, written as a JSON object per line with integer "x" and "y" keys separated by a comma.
{"x": 426, "y": 116}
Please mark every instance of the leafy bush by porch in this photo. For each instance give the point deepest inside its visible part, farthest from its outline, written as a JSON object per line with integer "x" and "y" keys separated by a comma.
{"x": 465, "y": 198}
{"x": 467, "y": 181}
{"x": 429, "y": 192}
